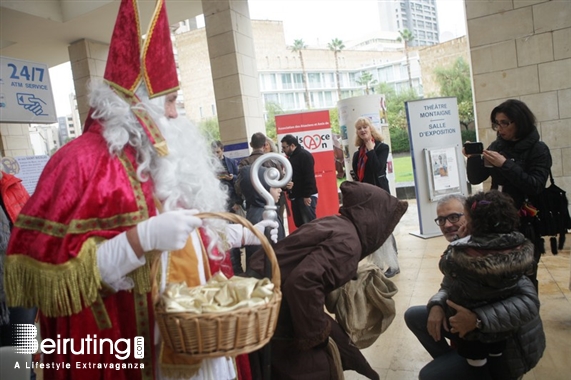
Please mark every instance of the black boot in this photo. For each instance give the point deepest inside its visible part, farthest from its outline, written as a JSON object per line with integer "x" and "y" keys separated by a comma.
{"x": 392, "y": 272}
{"x": 553, "y": 243}
{"x": 541, "y": 246}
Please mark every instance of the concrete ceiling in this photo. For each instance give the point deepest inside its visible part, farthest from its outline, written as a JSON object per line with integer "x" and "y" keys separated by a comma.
{"x": 42, "y": 30}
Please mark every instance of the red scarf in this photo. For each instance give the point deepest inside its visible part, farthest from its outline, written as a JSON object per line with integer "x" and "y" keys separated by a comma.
{"x": 362, "y": 161}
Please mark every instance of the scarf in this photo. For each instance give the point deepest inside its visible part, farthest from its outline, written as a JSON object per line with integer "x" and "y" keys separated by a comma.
{"x": 362, "y": 161}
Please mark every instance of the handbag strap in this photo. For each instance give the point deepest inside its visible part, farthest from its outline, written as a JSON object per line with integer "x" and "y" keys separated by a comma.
{"x": 551, "y": 177}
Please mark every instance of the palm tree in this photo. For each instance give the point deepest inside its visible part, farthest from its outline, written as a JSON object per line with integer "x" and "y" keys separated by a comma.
{"x": 366, "y": 79}
{"x": 298, "y": 46}
{"x": 406, "y": 36}
{"x": 336, "y": 45}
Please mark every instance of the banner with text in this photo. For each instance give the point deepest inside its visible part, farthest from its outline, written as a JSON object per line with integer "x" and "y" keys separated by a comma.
{"x": 436, "y": 151}
{"x": 313, "y": 131}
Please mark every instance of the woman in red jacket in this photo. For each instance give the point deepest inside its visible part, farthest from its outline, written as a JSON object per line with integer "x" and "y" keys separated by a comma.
{"x": 12, "y": 199}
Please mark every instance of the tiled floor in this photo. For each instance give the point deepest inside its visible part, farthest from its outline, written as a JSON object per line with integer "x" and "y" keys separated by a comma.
{"x": 397, "y": 355}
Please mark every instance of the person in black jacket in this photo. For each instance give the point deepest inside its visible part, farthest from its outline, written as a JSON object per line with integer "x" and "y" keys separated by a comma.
{"x": 518, "y": 162}
{"x": 302, "y": 188}
{"x": 486, "y": 305}
{"x": 370, "y": 166}
{"x": 255, "y": 204}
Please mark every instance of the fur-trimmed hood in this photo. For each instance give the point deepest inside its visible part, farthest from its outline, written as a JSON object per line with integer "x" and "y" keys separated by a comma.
{"x": 493, "y": 255}
{"x": 490, "y": 263}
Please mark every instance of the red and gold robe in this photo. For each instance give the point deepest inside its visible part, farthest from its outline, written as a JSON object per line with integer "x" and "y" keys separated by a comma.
{"x": 84, "y": 196}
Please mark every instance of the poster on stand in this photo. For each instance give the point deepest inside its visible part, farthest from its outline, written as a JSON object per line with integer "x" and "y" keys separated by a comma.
{"x": 442, "y": 172}
{"x": 436, "y": 151}
{"x": 313, "y": 132}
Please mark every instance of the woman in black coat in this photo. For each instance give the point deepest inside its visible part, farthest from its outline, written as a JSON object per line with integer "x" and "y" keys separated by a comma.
{"x": 518, "y": 162}
{"x": 370, "y": 160}
{"x": 370, "y": 166}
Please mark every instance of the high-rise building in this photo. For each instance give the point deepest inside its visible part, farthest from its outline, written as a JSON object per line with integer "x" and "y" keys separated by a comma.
{"x": 418, "y": 16}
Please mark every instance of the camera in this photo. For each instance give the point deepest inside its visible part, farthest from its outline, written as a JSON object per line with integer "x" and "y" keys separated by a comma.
{"x": 474, "y": 148}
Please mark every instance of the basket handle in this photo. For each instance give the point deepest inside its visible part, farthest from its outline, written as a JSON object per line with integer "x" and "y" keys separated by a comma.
{"x": 268, "y": 249}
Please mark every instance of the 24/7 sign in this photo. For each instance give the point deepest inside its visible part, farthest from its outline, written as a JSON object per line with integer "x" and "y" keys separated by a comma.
{"x": 25, "y": 92}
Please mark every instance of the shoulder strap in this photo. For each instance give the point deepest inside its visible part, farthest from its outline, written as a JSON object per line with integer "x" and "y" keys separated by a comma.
{"x": 551, "y": 178}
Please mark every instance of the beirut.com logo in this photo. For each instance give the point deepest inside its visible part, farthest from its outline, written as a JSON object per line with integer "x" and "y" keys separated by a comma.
{"x": 26, "y": 342}
{"x": 25, "y": 338}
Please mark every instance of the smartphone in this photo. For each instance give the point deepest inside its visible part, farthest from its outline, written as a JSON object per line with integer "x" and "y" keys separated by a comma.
{"x": 474, "y": 148}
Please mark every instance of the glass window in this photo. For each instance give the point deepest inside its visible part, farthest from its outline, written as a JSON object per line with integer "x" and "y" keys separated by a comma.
{"x": 353, "y": 79}
{"x": 298, "y": 80}
{"x": 268, "y": 82}
{"x": 314, "y": 80}
{"x": 286, "y": 81}
{"x": 271, "y": 98}
{"x": 288, "y": 101}
{"x": 329, "y": 80}
{"x": 328, "y": 99}
{"x": 387, "y": 74}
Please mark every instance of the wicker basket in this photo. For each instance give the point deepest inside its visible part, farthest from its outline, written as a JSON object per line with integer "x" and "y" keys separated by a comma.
{"x": 229, "y": 333}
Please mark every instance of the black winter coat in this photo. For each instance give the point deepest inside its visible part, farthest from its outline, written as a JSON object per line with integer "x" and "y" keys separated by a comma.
{"x": 303, "y": 176}
{"x": 376, "y": 166}
{"x": 523, "y": 174}
{"x": 487, "y": 276}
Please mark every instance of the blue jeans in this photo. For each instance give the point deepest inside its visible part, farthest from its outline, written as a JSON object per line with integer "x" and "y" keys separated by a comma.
{"x": 301, "y": 213}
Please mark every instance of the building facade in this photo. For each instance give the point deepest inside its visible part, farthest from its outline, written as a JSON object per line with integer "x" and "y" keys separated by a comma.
{"x": 281, "y": 74}
{"x": 418, "y": 16}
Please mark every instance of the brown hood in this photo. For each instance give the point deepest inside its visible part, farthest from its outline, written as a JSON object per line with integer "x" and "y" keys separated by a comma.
{"x": 373, "y": 211}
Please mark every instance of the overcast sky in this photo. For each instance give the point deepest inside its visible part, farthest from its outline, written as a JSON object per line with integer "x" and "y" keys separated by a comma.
{"x": 311, "y": 20}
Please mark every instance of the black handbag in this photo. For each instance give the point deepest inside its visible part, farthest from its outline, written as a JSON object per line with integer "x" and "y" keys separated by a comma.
{"x": 553, "y": 214}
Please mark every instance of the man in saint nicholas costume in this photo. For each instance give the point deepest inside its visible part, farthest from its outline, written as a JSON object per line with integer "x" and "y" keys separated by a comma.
{"x": 107, "y": 203}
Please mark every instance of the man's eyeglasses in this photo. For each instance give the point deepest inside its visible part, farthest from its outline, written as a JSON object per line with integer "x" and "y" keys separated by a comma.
{"x": 501, "y": 124}
{"x": 452, "y": 218}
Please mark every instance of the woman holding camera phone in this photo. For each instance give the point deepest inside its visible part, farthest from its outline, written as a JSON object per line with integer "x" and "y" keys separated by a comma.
{"x": 518, "y": 162}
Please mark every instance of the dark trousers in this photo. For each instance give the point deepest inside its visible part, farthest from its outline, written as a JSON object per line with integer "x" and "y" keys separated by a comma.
{"x": 301, "y": 213}
{"x": 236, "y": 259}
{"x": 447, "y": 363}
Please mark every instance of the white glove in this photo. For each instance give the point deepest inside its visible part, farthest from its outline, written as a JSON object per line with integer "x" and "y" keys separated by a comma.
{"x": 115, "y": 259}
{"x": 168, "y": 231}
{"x": 251, "y": 239}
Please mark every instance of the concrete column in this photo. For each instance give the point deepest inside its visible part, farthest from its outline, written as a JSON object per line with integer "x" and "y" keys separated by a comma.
{"x": 88, "y": 60}
{"x": 234, "y": 71}
{"x": 15, "y": 140}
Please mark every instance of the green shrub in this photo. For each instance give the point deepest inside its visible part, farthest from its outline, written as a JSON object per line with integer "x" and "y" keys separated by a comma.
{"x": 399, "y": 140}
{"x": 467, "y": 135}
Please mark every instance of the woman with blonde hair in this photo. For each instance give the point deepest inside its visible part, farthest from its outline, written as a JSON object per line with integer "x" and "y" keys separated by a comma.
{"x": 370, "y": 160}
{"x": 370, "y": 166}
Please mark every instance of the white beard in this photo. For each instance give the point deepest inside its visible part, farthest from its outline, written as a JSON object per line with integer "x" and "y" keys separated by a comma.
{"x": 186, "y": 177}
